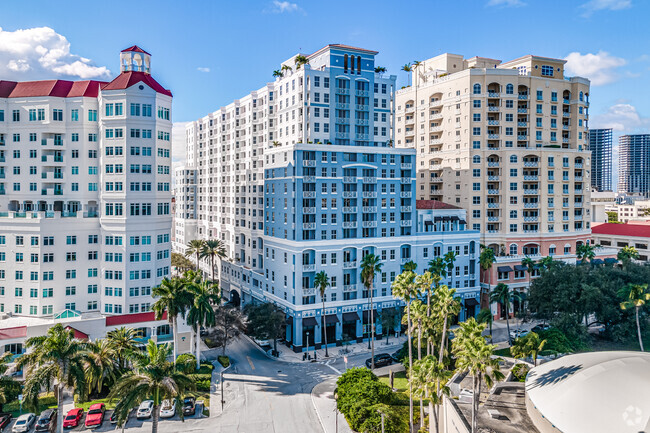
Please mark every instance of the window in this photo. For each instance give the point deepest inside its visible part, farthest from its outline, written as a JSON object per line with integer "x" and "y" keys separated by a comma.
{"x": 547, "y": 71}
{"x": 477, "y": 89}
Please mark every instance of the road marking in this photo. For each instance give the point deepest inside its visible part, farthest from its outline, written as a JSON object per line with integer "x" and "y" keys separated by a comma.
{"x": 335, "y": 370}
{"x": 250, "y": 361}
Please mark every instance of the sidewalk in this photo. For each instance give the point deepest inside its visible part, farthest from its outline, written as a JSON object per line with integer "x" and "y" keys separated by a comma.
{"x": 322, "y": 396}
{"x": 288, "y": 355}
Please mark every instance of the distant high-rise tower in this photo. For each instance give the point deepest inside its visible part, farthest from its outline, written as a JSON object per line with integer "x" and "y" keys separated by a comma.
{"x": 634, "y": 164}
{"x": 600, "y": 144}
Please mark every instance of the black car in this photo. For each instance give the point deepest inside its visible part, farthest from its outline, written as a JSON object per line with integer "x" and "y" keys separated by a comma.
{"x": 189, "y": 406}
{"x": 5, "y": 419}
{"x": 539, "y": 328}
{"x": 46, "y": 421}
{"x": 396, "y": 356}
{"x": 381, "y": 360}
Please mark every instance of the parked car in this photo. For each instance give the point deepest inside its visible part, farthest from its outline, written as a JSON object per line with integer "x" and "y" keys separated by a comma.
{"x": 396, "y": 356}
{"x": 189, "y": 406}
{"x": 168, "y": 409}
{"x": 24, "y": 423}
{"x": 381, "y": 360}
{"x": 5, "y": 419}
{"x": 145, "y": 409}
{"x": 516, "y": 333}
{"x": 73, "y": 417}
{"x": 47, "y": 420}
{"x": 95, "y": 416}
{"x": 539, "y": 328}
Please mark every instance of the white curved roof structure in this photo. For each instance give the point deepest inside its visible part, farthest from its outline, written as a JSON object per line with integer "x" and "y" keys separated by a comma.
{"x": 594, "y": 392}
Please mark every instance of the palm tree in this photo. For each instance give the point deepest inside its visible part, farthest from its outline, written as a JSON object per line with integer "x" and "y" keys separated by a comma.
{"x": 450, "y": 259}
{"x": 404, "y": 288}
{"x": 56, "y": 360}
{"x": 370, "y": 266}
{"x": 124, "y": 342}
{"x": 194, "y": 248}
{"x": 300, "y": 60}
{"x": 546, "y": 263}
{"x": 380, "y": 70}
{"x": 278, "y": 73}
{"x": 485, "y": 316}
{"x": 438, "y": 267}
{"x": 285, "y": 68}
{"x": 419, "y": 312}
{"x": 428, "y": 375}
{"x": 102, "y": 365}
{"x": 636, "y": 296}
{"x": 503, "y": 295}
{"x": 213, "y": 248}
{"x": 152, "y": 377}
{"x": 446, "y": 305}
{"x": 585, "y": 252}
{"x": 172, "y": 297}
{"x": 205, "y": 295}
{"x": 486, "y": 259}
{"x": 9, "y": 387}
{"x": 407, "y": 68}
{"x": 322, "y": 281}
{"x": 425, "y": 283}
{"x": 530, "y": 345}
{"x": 410, "y": 266}
{"x": 626, "y": 255}
{"x": 529, "y": 264}
{"x": 474, "y": 355}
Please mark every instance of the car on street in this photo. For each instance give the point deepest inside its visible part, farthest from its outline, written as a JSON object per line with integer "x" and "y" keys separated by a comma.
{"x": 517, "y": 333}
{"x": 381, "y": 360}
{"x": 540, "y": 328}
{"x": 5, "y": 419}
{"x": 24, "y": 423}
{"x": 168, "y": 409}
{"x": 95, "y": 416}
{"x": 145, "y": 409}
{"x": 73, "y": 417}
{"x": 396, "y": 356}
{"x": 189, "y": 406}
{"x": 46, "y": 421}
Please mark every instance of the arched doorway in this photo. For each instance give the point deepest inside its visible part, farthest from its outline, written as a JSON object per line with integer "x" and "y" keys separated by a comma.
{"x": 235, "y": 300}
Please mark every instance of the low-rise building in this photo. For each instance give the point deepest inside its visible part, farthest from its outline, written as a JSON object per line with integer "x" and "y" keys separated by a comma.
{"x": 618, "y": 236}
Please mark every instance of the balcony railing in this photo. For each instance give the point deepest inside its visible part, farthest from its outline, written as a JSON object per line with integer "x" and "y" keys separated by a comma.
{"x": 349, "y": 209}
{"x": 369, "y": 209}
{"x": 406, "y": 223}
{"x": 369, "y": 194}
{"x": 308, "y": 267}
{"x": 350, "y": 265}
{"x": 368, "y": 224}
{"x": 308, "y": 226}
{"x": 309, "y": 194}
{"x": 349, "y": 224}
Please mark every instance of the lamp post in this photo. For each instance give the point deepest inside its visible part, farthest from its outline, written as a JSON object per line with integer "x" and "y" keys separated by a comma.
{"x": 307, "y": 347}
{"x": 336, "y": 413}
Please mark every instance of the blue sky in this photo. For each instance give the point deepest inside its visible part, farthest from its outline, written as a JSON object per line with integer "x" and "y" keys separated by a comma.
{"x": 210, "y": 52}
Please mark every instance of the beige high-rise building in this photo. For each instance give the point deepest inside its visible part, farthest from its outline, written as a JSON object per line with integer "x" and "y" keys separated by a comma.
{"x": 506, "y": 141}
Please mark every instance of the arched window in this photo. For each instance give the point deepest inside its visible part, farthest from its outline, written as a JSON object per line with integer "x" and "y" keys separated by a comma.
{"x": 510, "y": 89}
{"x": 582, "y": 95}
{"x": 513, "y": 159}
{"x": 345, "y": 63}
{"x": 513, "y": 249}
{"x": 477, "y": 89}
{"x": 476, "y": 159}
{"x": 358, "y": 64}
{"x": 352, "y": 64}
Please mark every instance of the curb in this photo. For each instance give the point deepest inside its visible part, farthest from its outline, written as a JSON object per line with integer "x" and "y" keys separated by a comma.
{"x": 313, "y": 403}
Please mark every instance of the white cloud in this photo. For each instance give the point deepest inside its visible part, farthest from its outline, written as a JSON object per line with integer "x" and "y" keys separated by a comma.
{"x": 621, "y": 117}
{"x": 284, "y": 6}
{"x": 600, "y": 5}
{"x": 506, "y": 3}
{"x": 201, "y": 69}
{"x": 41, "y": 53}
{"x": 600, "y": 68}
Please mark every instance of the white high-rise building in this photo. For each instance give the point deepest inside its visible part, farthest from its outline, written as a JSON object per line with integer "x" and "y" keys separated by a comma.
{"x": 85, "y": 218}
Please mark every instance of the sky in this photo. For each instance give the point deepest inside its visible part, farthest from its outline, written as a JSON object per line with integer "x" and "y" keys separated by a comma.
{"x": 211, "y": 52}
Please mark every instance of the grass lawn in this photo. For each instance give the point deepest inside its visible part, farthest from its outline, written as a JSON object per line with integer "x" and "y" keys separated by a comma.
{"x": 400, "y": 381}
{"x": 45, "y": 401}
{"x": 86, "y": 405}
{"x": 503, "y": 352}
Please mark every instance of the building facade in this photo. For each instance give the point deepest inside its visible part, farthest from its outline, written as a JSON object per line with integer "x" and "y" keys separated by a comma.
{"x": 600, "y": 144}
{"x": 85, "y": 192}
{"x": 634, "y": 165}
{"x": 506, "y": 141}
{"x": 618, "y": 236}
{"x": 301, "y": 176}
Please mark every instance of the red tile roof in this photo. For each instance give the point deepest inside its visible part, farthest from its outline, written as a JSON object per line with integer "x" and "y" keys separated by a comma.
{"x": 135, "y": 48}
{"x": 9, "y": 333}
{"x": 125, "y": 319}
{"x": 57, "y": 88}
{"x": 131, "y": 78}
{"x": 434, "y": 204}
{"x": 633, "y": 230}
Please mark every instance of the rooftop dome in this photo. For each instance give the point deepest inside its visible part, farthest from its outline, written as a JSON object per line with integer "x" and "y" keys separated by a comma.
{"x": 593, "y": 392}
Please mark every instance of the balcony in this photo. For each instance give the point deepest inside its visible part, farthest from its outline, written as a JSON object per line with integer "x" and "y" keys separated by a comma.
{"x": 405, "y": 223}
{"x": 309, "y": 267}
{"x": 493, "y": 192}
{"x": 309, "y": 194}
{"x": 369, "y": 194}
{"x": 493, "y": 136}
{"x": 309, "y": 179}
{"x": 309, "y": 210}
{"x": 435, "y": 116}
{"x": 342, "y": 135}
{"x": 493, "y": 108}
{"x": 577, "y": 204}
{"x": 566, "y": 114}
{"x": 566, "y": 101}
{"x": 349, "y": 179}
{"x": 531, "y": 163}
{"x": 522, "y": 137}
{"x": 369, "y": 179}
{"x": 349, "y": 224}
{"x": 405, "y": 208}
{"x": 565, "y": 140}
{"x": 435, "y": 142}
{"x": 350, "y": 265}
{"x": 531, "y": 191}
{"x": 406, "y": 166}
{"x": 350, "y": 288}
{"x": 308, "y": 163}
{"x": 493, "y": 122}
{"x": 349, "y": 194}
{"x": 341, "y": 91}
{"x": 361, "y": 121}
{"x": 405, "y": 194}
{"x": 522, "y": 97}
{"x": 493, "y": 95}
{"x": 531, "y": 177}
{"x": 531, "y": 218}
{"x": 361, "y": 93}
{"x": 342, "y": 120}
{"x": 578, "y": 178}
{"x": 493, "y": 205}
{"x": 368, "y": 224}
{"x": 369, "y": 209}
{"x": 362, "y": 136}
{"x": 531, "y": 205}
{"x": 349, "y": 209}
{"x": 578, "y": 165}
{"x": 308, "y": 226}
{"x": 406, "y": 180}
{"x": 522, "y": 110}
{"x": 522, "y": 124}
{"x": 342, "y": 105}
{"x": 361, "y": 107}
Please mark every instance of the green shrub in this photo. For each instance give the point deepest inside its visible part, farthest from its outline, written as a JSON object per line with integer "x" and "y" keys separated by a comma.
{"x": 224, "y": 361}
{"x": 200, "y": 376}
{"x": 206, "y": 368}
{"x": 186, "y": 362}
{"x": 519, "y": 371}
{"x": 203, "y": 385}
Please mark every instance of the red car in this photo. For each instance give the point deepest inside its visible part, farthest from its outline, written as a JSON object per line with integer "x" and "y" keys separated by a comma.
{"x": 73, "y": 417}
{"x": 95, "y": 416}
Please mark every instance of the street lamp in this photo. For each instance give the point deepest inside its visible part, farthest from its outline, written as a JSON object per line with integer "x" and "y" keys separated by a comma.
{"x": 307, "y": 348}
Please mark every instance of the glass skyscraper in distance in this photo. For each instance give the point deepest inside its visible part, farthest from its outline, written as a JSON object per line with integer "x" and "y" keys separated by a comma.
{"x": 600, "y": 144}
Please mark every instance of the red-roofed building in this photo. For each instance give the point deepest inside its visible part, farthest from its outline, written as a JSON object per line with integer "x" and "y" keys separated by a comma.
{"x": 10, "y": 333}
{"x": 434, "y": 204}
{"x": 623, "y": 235}
{"x": 130, "y": 319}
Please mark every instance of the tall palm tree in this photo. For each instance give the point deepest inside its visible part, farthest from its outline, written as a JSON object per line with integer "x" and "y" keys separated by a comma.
{"x": 124, "y": 341}
{"x": 152, "y": 377}
{"x": 300, "y": 60}
{"x": 430, "y": 378}
{"x": 54, "y": 361}
{"x": 437, "y": 266}
{"x": 446, "y": 305}
{"x": 585, "y": 253}
{"x": 504, "y": 296}
{"x": 204, "y": 295}
{"x": 450, "y": 259}
{"x": 419, "y": 312}
{"x": 404, "y": 288}
{"x": 213, "y": 248}
{"x": 172, "y": 297}
{"x": 277, "y": 73}
{"x": 486, "y": 260}
{"x": 410, "y": 266}
{"x": 322, "y": 281}
{"x": 10, "y": 388}
{"x": 285, "y": 68}
{"x": 474, "y": 355}
{"x": 408, "y": 68}
{"x": 370, "y": 266}
{"x": 485, "y": 316}
{"x": 194, "y": 248}
{"x": 101, "y": 364}
{"x": 425, "y": 283}
{"x": 636, "y": 295}
{"x": 626, "y": 255}
{"x": 380, "y": 70}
